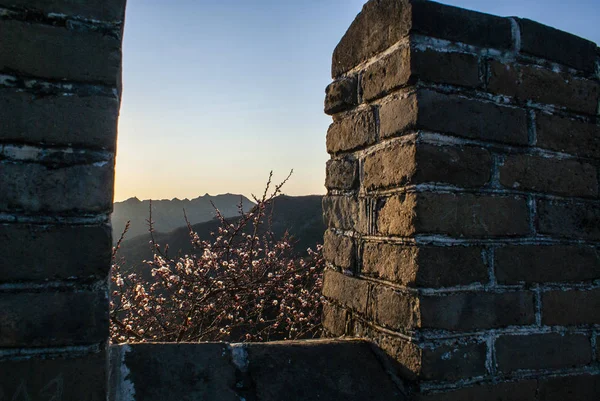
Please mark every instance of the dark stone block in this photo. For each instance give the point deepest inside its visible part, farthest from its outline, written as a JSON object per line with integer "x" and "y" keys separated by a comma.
{"x": 341, "y": 174}
{"x": 36, "y": 188}
{"x": 571, "y": 308}
{"x": 57, "y": 378}
{"x": 59, "y": 120}
{"x": 567, "y": 135}
{"x": 352, "y": 131}
{"x": 477, "y": 310}
{"x": 567, "y": 219}
{"x": 549, "y": 175}
{"x": 341, "y": 95}
{"x": 515, "y": 391}
{"x": 319, "y": 370}
{"x": 103, "y": 10}
{"x": 546, "y": 263}
{"x": 542, "y": 351}
{"x": 550, "y": 43}
{"x": 33, "y": 252}
{"x": 45, "y": 51}
{"x": 346, "y": 290}
{"x": 53, "y": 318}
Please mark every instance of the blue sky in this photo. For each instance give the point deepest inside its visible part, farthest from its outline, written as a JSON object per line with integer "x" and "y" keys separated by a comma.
{"x": 218, "y": 93}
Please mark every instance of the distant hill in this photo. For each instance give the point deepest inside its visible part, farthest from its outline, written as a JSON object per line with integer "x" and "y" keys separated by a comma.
{"x": 168, "y": 214}
{"x": 300, "y": 215}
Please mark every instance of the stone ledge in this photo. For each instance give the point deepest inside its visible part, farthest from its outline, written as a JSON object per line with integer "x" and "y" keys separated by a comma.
{"x": 294, "y": 371}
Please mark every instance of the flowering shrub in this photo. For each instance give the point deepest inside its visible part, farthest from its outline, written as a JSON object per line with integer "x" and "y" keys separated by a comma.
{"x": 242, "y": 285}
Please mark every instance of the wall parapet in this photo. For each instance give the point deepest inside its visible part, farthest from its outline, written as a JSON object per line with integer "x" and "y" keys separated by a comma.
{"x": 463, "y": 200}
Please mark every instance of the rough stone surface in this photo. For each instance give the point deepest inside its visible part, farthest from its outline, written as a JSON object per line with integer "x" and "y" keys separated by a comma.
{"x": 36, "y": 252}
{"x": 540, "y": 85}
{"x": 424, "y": 266}
{"x": 37, "y": 188}
{"x": 571, "y": 308}
{"x": 341, "y": 174}
{"x": 456, "y": 215}
{"x": 403, "y": 164}
{"x": 542, "y": 174}
{"x": 456, "y": 115}
{"x": 567, "y": 135}
{"x": 580, "y": 388}
{"x": 55, "y": 378}
{"x": 104, "y": 10}
{"x": 391, "y": 72}
{"x": 383, "y": 23}
{"x": 379, "y": 25}
{"x": 542, "y": 351}
{"x": 339, "y": 250}
{"x": 446, "y": 67}
{"x": 394, "y": 309}
{"x": 158, "y": 372}
{"x": 341, "y": 95}
{"x": 550, "y": 43}
{"x": 56, "y": 53}
{"x": 352, "y": 131}
{"x": 341, "y": 212}
{"x": 455, "y": 361}
{"x": 477, "y": 310}
{"x": 53, "y": 319}
{"x": 569, "y": 219}
{"x": 515, "y": 391}
{"x": 334, "y": 319}
{"x": 546, "y": 263}
{"x": 268, "y": 372}
{"x": 346, "y": 290}
{"x": 287, "y": 370}
{"x": 59, "y": 120}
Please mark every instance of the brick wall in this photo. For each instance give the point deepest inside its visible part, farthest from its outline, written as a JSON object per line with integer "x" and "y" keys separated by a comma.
{"x": 60, "y": 65}
{"x": 462, "y": 206}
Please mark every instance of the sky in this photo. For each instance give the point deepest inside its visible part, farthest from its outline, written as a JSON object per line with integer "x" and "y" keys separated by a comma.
{"x": 219, "y": 93}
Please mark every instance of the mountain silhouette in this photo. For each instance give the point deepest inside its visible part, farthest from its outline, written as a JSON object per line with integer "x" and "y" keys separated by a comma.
{"x": 168, "y": 214}
{"x": 301, "y": 216}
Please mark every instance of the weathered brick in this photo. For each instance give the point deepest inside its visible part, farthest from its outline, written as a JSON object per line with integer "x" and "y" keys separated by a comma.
{"x": 514, "y": 391}
{"x": 532, "y": 83}
{"x": 394, "y": 309}
{"x": 334, "y": 319}
{"x": 57, "y": 53}
{"x": 542, "y": 351}
{"x": 460, "y": 215}
{"x": 57, "y": 378}
{"x": 455, "y": 361}
{"x": 456, "y": 115}
{"x": 546, "y": 263}
{"x": 339, "y": 250}
{"x": 549, "y": 175}
{"x": 391, "y": 72}
{"x": 580, "y": 388}
{"x": 33, "y": 252}
{"x": 447, "y": 361}
{"x": 341, "y": 174}
{"x": 567, "y": 135}
{"x": 59, "y": 120}
{"x": 341, "y": 95}
{"x": 569, "y": 219}
{"x": 550, "y": 43}
{"x": 477, "y": 310}
{"x": 383, "y": 23}
{"x": 424, "y": 266}
{"x": 103, "y": 10}
{"x": 341, "y": 212}
{"x": 53, "y": 318}
{"x": 346, "y": 290}
{"x": 406, "y": 64}
{"x": 35, "y": 188}
{"x": 445, "y": 67}
{"x": 352, "y": 131}
{"x": 411, "y": 163}
{"x": 571, "y": 308}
